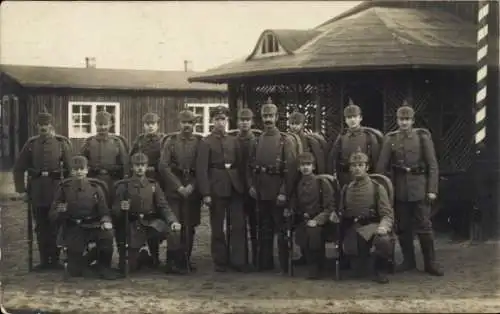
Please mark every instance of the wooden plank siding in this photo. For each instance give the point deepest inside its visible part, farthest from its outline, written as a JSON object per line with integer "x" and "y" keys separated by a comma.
{"x": 133, "y": 105}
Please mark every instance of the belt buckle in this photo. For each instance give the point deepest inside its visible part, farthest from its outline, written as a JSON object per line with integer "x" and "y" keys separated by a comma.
{"x": 103, "y": 171}
{"x": 264, "y": 169}
{"x": 78, "y": 221}
{"x": 141, "y": 216}
{"x": 227, "y": 165}
{"x": 44, "y": 173}
{"x": 356, "y": 219}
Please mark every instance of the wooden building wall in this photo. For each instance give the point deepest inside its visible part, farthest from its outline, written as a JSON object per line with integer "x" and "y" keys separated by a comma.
{"x": 133, "y": 105}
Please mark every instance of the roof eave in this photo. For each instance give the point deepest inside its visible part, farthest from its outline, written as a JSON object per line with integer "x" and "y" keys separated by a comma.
{"x": 121, "y": 88}
{"x": 228, "y": 77}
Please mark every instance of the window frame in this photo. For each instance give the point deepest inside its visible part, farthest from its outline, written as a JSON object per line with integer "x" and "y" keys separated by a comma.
{"x": 93, "y": 112}
{"x": 206, "y": 114}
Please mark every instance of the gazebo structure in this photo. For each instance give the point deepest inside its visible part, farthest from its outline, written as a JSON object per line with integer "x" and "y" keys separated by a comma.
{"x": 378, "y": 54}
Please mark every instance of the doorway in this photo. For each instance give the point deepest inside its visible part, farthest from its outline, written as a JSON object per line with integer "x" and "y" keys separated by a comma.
{"x": 371, "y": 101}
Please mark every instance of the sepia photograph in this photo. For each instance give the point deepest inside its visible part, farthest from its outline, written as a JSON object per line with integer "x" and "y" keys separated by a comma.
{"x": 249, "y": 157}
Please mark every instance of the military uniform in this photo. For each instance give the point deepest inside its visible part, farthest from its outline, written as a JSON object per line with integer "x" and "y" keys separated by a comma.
{"x": 366, "y": 207}
{"x": 313, "y": 200}
{"x": 348, "y": 143}
{"x": 41, "y": 157}
{"x": 150, "y": 145}
{"x": 411, "y": 158}
{"x": 178, "y": 165}
{"x": 149, "y": 216}
{"x": 218, "y": 160}
{"x": 308, "y": 144}
{"x": 107, "y": 154}
{"x": 86, "y": 211}
{"x": 247, "y": 141}
{"x": 274, "y": 173}
{"x": 108, "y": 161}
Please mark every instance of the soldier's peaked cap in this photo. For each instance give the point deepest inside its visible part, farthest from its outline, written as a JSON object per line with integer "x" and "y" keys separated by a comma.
{"x": 150, "y": 117}
{"x": 245, "y": 113}
{"x": 352, "y": 109}
{"x": 103, "y": 117}
{"x": 405, "y": 111}
{"x": 139, "y": 159}
{"x": 297, "y": 117}
{"x": 187, "y": 116}
{"x": 305, "y": 158}
{"x": 358, "y": 157}
{"x": 78, "y": 162}
{"x": 44, "y": 118}
{"x": 219, "y": 111}
{"x": 269, "y": 107}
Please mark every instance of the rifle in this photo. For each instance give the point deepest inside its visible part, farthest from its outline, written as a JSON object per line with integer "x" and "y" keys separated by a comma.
{"x": 126, "y": 240}
{"x": 185, "y": 231}
{"x": 64, "y": 248}
{"x": 30, "y": 226}
{"x": 289, "y": 238}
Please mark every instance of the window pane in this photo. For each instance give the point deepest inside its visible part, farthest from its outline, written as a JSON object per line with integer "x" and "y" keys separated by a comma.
{"x": 86, "y": 109}
{"x": 85, "y": 118}
{"x": 76, "y": 118}
{"x": 198, "y": 128}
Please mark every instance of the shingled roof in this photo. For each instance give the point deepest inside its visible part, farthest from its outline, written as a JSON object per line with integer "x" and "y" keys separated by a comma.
{"x": 98, "y": 78}
{"x": 368, "y": 38}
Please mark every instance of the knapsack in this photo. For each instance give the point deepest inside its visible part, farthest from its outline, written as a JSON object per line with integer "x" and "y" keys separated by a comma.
{"x": 379, "y": 136}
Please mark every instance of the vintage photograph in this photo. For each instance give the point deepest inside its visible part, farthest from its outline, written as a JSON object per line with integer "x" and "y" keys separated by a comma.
{"x": 249, "y": 157}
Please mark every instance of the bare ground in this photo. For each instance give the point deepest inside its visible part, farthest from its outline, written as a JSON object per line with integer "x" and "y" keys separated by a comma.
{"x": 470, "y": 284}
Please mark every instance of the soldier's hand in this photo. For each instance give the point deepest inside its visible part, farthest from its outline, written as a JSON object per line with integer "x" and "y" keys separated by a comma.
{"x": 182, "y": 191}
{"x": 281, "y": 199}
{"x": 312, "y": 223}
{"x": 252, "y": 192}
{"x": 382, "y": 230}
{"x": 334, "y": 218}
{"x": 61, "y": 207}
{"x": 125, "y": 205}
{"x": 287, "y": 213}
{"x": 107, "y": 225}
{"x": 431, "y": 196}
{"x": 189, "y": 189}
{"x": 176, "y": 226}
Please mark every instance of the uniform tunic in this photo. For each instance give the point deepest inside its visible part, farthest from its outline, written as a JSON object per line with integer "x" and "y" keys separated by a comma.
{"x": 361, "y": 201}
{"x": 150, "y": 145}
{"x": 146, "y": 198}
{"x": 309, "y": 206}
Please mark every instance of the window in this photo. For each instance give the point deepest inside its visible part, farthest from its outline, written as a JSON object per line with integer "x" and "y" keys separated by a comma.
{"x": 81, "y": 117}
{"x": 203, "y": 110}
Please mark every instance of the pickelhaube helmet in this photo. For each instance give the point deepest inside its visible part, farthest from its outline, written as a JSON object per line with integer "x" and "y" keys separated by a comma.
{"x": 103, "y": 117}
{"x": 150, "y": 117}
{"x": 219, "y": 111}
{"x": 44, "y": 118}
{"x": 245, "y": 113}
{"x": 405, "y": 111}
{"x": 358, "y": 157}
{"x": 352, "y": 109}
{"x": 305, "y": 158}
{"x": 269, "y": 107}
{"x": 78, "y": 162}
{"x": 139, "y": 159}
{"x": 297, "y": 118}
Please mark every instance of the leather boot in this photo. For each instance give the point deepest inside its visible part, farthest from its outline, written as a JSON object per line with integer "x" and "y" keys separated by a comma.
{"x": 104, "y": 266}
{"x": 429, "y": 254}
{"x": 314, "y": 264}
{"x": 154, "y": 249}
{"x": 173, "y": 260}
{"x": 283, "y": 257}
{"x": 408, "y": 250}
{"x": 377, "y": 266}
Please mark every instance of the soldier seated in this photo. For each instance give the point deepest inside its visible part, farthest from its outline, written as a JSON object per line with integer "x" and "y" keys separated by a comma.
{"x": 367, "y": 216}
{"x": 80, "y": 208}
{"x": 313, "y": 202}
{"x": 139, "y": 203}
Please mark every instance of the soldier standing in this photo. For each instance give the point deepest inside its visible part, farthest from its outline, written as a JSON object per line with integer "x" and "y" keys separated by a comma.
{"x": 368, "y": 217}
{"x": 218, "y": 161}
{"x": 41, "y": 157}
{"x": 346, "y": 144}
{"x": 297, "y": 123}
{"x": 274, "y": 172}
{"x": 409, "y": 155}
{"x": 313, "y": 201}
{"x": 80, "y": 207}
{"x": 247, "y": 140}
{"x": 149, "y": 216}
{"x": 108, "y": 161}
{"x": 177, "y": 165}
{"x": 150, "y": 143}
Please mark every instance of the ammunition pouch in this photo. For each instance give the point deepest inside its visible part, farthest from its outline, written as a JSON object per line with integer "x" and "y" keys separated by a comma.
{"x": 417, "y": 170}
{"x": 132, "y": 217}
{"x": 54, "y": 174}
{"x": 222, "y": 166}
{"x": 363, "y": 221}
{"x": 84, "y": 222}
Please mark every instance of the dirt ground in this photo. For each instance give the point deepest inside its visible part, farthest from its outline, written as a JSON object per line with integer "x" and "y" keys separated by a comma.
{"x": 470, "y": 284}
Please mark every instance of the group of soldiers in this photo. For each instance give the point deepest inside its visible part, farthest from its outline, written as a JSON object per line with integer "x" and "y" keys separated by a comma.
{"x": 255, "y": 184}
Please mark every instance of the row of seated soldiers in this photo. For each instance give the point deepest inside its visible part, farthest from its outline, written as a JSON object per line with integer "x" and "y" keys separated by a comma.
{"x": 247, "y": 179}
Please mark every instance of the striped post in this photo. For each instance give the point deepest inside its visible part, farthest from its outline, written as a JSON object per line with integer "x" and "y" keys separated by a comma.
{"x": 480, "y": 112}
{"x": 482, "y": 74}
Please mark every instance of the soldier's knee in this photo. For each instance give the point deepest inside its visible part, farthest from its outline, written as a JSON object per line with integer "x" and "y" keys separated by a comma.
{"x": 383, "y": 246}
